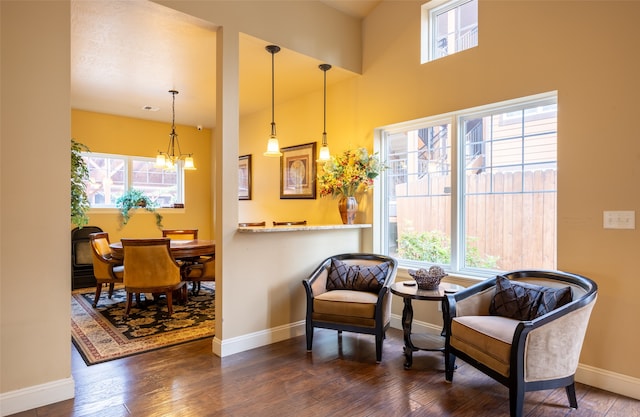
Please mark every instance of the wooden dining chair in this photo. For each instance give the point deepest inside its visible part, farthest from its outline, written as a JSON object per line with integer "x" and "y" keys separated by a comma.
{"x": 295, "y": 223}
{"x": 196, "y": 269}
{"x": 203, "y": 270}
{"x": 149, "y": 267}
{"x": 180, "y": 234}
{"x": 251, "y": 224}
{"x": 105, "y": 269}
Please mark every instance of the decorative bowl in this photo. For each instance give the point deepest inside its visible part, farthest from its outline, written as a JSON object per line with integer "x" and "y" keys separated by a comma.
{"x": 428, "y": 280}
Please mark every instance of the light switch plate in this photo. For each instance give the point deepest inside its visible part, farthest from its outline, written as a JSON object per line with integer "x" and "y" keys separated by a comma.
{"x": 619, "y": 219}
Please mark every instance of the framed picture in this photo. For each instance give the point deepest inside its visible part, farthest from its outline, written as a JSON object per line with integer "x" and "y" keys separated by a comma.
{"x": 244, "y": 177}
{"x": 298, "y": 171}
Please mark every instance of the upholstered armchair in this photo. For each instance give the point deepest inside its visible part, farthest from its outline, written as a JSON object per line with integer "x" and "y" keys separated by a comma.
{"x": 524, "y": 329}
{"x": 105, "y": 269}
{"x": 350, "y": 292}
{"x": 149, "y": 267}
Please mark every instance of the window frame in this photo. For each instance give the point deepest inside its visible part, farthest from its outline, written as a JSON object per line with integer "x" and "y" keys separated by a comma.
{"x": 128, "y": 176}
{"x": 430, "y": 11}
{"x": 382, "y": 203}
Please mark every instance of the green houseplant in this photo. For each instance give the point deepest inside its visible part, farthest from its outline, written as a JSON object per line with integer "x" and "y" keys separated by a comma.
{"x": 134, "y": 199}
{"x": 79, "y": 176}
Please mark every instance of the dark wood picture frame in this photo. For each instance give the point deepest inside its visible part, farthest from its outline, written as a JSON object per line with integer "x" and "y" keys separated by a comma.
{"x": 244, "y": 177}
{"x": 298, "y": 171}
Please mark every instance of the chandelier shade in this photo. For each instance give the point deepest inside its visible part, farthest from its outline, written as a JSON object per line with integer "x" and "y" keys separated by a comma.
{"x": 273, "y": 146}
{"x": 324, "y": 154}
{"x": 169, "y": 159}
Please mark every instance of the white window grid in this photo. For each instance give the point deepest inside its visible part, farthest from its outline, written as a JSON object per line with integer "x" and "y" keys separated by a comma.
{"x": 112, "y": 174}
{"x": 462, "y": 153}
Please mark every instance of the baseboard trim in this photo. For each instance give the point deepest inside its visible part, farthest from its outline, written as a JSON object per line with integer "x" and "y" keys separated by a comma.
{"x": 585, "y": 374}
{"x": 249, "y": 341}
{"x": 608, "y": 381}
{"x": 36, "y": 396}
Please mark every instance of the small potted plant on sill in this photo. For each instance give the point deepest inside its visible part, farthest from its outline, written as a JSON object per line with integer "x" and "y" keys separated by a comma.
{"x": 134, "y": 199}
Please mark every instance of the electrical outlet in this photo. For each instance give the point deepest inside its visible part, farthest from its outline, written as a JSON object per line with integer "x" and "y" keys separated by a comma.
{"x": 619, "y": 219}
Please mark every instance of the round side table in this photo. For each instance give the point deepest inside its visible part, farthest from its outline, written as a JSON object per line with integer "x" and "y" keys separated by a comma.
{"x": 423, "y": 341}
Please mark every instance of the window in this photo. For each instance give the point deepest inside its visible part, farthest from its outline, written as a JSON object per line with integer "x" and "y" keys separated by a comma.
{"x": 111, "y": 175}
{"x": 473, "y": 191}
{"x": 448, "y": 28}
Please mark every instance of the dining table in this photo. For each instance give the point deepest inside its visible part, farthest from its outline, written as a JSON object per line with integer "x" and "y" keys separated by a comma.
{"x": 180, "y": 249}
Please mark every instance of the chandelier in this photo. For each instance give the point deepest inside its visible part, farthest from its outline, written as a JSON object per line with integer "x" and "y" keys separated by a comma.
{"x": 168, "y": 160}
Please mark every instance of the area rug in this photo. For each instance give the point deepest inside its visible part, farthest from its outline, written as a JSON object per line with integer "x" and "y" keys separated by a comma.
{"x": 102, "y": 334}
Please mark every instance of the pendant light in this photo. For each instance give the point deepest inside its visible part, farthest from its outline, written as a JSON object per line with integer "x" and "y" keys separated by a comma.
{"x": 167, "y": 160}
{"x": 324, "y": 155}
{"x": 273, "y": 147}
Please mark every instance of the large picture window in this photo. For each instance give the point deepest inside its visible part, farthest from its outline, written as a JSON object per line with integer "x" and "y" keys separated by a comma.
{"x": 111, "y": 175}
{"x": 473, "y": 191}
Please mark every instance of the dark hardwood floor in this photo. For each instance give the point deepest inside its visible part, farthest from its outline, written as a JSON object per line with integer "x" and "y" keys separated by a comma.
{"x": 340, "y": 378}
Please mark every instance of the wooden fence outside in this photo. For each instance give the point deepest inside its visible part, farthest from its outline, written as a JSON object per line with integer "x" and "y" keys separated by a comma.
{"x": 510, "y": 215}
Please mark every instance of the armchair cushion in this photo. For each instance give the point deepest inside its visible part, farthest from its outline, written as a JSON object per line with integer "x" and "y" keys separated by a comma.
{"x": 487, "y": 338}
{"x": 343, "y": 276}
{"x": 524, "y": 301}
{"x": 353, "y": 307}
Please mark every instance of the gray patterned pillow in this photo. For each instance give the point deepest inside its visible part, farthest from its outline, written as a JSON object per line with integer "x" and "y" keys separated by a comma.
{"x": 343, "y": 276}
{"x": 523, "y": 301}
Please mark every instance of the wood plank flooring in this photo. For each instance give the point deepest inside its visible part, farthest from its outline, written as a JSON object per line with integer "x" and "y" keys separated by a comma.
{"x": 339, "y": 378}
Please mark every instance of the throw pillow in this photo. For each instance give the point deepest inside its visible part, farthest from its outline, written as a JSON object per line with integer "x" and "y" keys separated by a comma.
{"x": 343, "y": 276}
{"x": 524, "y": 301}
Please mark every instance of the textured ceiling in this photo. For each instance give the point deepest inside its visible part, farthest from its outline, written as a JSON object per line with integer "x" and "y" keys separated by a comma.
{"x": 127, "y": 55}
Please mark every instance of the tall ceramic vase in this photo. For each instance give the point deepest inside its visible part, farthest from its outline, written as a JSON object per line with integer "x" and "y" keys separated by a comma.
{"x": 348, "y": 207}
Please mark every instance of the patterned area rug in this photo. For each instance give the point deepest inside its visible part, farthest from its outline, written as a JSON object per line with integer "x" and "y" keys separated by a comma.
{"x": 102, "y": 334}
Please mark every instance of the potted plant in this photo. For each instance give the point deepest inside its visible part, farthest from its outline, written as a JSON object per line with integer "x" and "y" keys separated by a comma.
{"x": 347, "y": 174}
{"x": 79, "y": 176}
{"x": 133, "y": 199}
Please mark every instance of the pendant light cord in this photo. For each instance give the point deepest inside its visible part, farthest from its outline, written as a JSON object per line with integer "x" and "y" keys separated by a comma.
{"x": 325, "y": 68}
{"x": 324, "y": 131}
{"x": 273, "y": 77}
{"x": 273, "y": 49}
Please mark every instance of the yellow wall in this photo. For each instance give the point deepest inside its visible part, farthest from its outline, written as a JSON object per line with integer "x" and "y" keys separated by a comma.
{"x": 104, "y": 133}
{"x": 298, "y": 122}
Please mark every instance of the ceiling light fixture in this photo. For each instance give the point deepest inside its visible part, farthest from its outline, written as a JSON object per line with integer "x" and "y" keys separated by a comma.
{"x": 273, "y": 147}
{"x": 167, "y": 160}
{"x": 324, "y": 155}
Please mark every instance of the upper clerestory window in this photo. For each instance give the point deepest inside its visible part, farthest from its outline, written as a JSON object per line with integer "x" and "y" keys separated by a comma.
{"x": 448, "y": 27}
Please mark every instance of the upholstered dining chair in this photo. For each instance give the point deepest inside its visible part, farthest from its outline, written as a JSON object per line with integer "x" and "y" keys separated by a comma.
{"x": 350, "y": 292}
{"x": 180, "y": 234}
{"x": 149, "y": 267}
{"x": 524, "y": 329}
{"x": 105, "y": 269}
